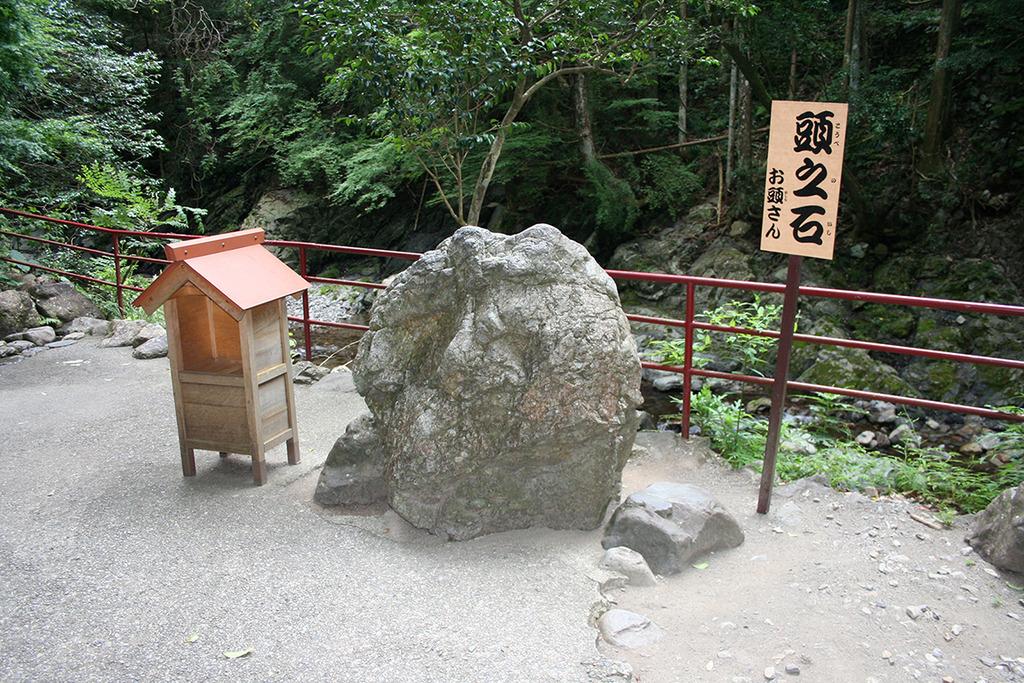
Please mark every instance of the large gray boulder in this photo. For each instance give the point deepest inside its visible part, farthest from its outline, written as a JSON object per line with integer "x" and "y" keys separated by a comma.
{"x": 62, "y": 301}
{"x": 670, "y": 524}
{"x": 998, "y": 531}
{"x": 17, "y": 312}
{"x": 503, "y": 382}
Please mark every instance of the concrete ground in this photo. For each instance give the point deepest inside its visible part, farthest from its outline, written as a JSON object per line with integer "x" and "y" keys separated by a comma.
{"x": 110, "y": 560}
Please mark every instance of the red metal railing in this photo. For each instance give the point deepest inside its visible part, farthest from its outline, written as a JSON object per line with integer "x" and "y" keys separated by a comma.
{"x": 689, "y": 323}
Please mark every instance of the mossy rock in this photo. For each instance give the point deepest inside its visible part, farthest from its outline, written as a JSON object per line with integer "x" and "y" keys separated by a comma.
{"x": 853, "y": 369}
{"x": 886, "y": 323}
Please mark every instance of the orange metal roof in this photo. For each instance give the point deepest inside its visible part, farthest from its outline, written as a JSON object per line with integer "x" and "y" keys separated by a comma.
{"x": 232, "y": 269}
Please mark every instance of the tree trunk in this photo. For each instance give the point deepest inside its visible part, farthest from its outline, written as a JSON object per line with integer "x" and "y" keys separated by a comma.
{"x": 731, "y": 144}
{"x": 853, "y": 57}
{"x": 483, "y": 178}
{"x": 744, "y": 151}
{"x": 938, "y": 103}
{"x": 581, "y": 108}
{"x": 684, "y": 77}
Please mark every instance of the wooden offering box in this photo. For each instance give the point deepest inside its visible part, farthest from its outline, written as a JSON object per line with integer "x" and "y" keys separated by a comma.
{"x": 227, "y": 337}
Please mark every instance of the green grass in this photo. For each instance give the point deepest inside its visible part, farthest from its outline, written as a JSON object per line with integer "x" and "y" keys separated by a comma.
{"x": 931, "y": 475}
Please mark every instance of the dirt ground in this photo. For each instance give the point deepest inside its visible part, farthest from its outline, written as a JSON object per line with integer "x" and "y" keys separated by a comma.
{"x": 822, "y": 583}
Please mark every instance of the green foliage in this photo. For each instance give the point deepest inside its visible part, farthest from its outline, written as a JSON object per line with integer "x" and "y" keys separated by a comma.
{"x": 932, "y": 475}
{"x": 615, "y": 207}
{"x": 131, "y": 203}
{"x": 666, "y": 184}
{"x": 751, "y": 352}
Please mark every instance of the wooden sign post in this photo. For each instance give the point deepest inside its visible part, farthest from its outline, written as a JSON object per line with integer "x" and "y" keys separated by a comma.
{"x": 801, "y": 208}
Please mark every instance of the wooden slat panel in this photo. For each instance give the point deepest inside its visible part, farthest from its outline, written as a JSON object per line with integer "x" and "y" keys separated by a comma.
{"x": 217, "y": 424}
{"x": 226, "y": 330}
{"x": 207, "y": 378}
{"x": 213, "y": 394}
{"x": 278, "y": 439}
{"x": 275, "y": 422}
{"x": 272, "y": 397}
{"x": 193, "y": 330}
{"x": 267, "y": 335}
{"x": 270, "y": 373}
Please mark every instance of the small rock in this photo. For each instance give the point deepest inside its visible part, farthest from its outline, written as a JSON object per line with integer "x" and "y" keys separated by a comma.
{"x": 769, "y": 673}
{"x": 881, "y": 412}
{"x": 971, "y": 448}
{"x": 630, "y": 563}
{"x": 793, "y": 669}
{"x": 154, "y": 348}
{"x": 150, "y": 331}
{"x": 95, "y": 326}
{"x": 957, "y": 629}
{"x": 60, "y": 344}
{"x": 670, "y": 381}
{"x": 915, "y": 612}
{"x": 74, "y": 336}
{"x": 904, "y": 433}
{"x": 122, "y": 332}
{"x": 647, "y": 421}
{"x": 40, "y": 336}
{"x": 7, "y": 350}
{"x": 866, "y": 438}
{"x": 21, "y": 345}
{"x": 628, "y": 630}
{"x": 670, "y": 523}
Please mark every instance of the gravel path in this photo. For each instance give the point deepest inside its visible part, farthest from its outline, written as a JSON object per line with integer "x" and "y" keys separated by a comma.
{"x": 110, "y": 562}
{"x": 830, "y": 583}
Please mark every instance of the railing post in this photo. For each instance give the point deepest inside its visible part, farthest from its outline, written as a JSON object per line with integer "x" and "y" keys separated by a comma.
{"x": 688, "y": 360}
{"x": 308, "y": 342}
{"x": 117, "y": 274}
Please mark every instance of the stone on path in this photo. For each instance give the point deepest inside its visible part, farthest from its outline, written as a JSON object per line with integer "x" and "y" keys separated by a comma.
{"x": 154, "y": 348}
{"x": 998, "y": 531}
{"x": 503, "y": 381}
{"x": 62, "y": 301}
{"x": 59, "y": 344}
{"x": 17, "y": 312}
{"x": 150, "y": 331}
{"x": 628, "y": 630}
{"x": 630, "y": 564}
{"x": 353, "y": 473}
{"x": 670, "y": 524}
{"x": 122, "y": 332}
{"x": 40, "y": 336}
{"x": 7, "y": 350}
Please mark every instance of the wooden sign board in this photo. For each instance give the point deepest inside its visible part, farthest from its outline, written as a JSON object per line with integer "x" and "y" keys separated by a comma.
{"x": 801, "y": 185}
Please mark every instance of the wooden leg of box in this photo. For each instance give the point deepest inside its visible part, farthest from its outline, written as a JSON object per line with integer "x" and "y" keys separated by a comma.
{"x": 293, "y": 451}
{"x": 188, "y": 461}
{"x": 259, "y": 469}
